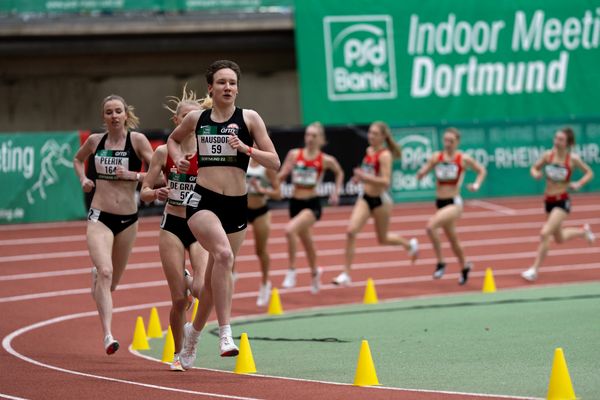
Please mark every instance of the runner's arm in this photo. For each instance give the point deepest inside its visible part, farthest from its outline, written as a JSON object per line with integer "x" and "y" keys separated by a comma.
{"x": 288, "y": 165}
{"x": 385, "y": 172}
{"x": 536, "y": 168}
{"x": 264, "y": 153}
{"x": 479, "y": 169}
{"x": 82, "y": 154}
{"x": 588, "y": 174}
{"x": 426, "y": 168}
{"x": 186, "y": 128}
{"x": 333, "y": 164}
{"x": 148, "y": 193}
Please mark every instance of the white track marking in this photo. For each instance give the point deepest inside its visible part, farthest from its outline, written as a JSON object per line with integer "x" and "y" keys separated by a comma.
{"x": 6, "y": 396}
{"x": 492, "y": 206}
{"x": 324, "y": 223}
{"x": 316, "y": 238}
{"x": 331, "y": 268}
{"x": 7, "y": 345}
{"x": 145, "y": 357}
{"x": 279, "y": 255}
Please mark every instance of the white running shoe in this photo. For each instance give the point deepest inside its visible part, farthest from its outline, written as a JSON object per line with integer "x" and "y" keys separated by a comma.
{"x": 110, "y": 345}
{"x": 342, "y": 279}
{"x": 589, "y": 235}
{"x": 290, "y": 279}
{"x": 176, "y": 364}
{"x": 413, "y": 251}
{"x": 190, "y": 342}
{"x": 228, "y": 347}
{"x": 529, "y": 275}
{"x": 264, "y": 293}
{"x": 315, "y": 286}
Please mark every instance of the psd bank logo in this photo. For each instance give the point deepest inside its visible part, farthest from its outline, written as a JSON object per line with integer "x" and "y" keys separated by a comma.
{"x": 359, "y": 54}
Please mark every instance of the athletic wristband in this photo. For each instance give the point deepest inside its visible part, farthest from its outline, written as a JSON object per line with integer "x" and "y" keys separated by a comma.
{"x": 249, "y": 151}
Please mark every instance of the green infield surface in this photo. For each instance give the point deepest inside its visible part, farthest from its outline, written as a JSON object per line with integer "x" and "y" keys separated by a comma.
{"x": 499, "y": 343}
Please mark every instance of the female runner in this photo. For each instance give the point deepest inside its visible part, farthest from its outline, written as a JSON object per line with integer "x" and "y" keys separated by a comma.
{"x": 112, "y": 218}
{"x": 375, "y": 174}
{"x": 216, "y": 209}
{"x": 307, "y": 166}
{"x": 558, "y": 165}
{"x": 175, "y": 236}
{"x": 449, "y": 166}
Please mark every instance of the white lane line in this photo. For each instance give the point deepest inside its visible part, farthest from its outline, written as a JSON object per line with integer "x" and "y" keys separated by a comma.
{"x": 62, "y": 239}
{"x": 332, "y": 268}
{"x": 279, "y": 255}
{"x": 7, "y": 396}
{"x": 325, "y": 223}
{"x": 317, "y": 238}
{"x": 492, "y": 206}
{"x": 149, "y": 358}
{"x": 7, "y": 345}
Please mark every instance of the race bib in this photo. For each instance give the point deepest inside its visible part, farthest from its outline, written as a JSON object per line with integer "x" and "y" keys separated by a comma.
{"x": 107, "y": 162}
{"x": 180, "y": 185}
{"x": 556, "y": 172}
{"x": 304, "y": 176}
{"x": 446, "y": 172}
{"x": 213, "y": 146}
{"x": 368, "y": 168}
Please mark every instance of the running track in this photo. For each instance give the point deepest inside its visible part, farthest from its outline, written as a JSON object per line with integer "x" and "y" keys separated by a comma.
{"x": 52, "y": 343}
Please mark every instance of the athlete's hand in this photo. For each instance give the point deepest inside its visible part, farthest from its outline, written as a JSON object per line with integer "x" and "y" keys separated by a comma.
{"x": 536, "y": 173}
{"x": 235, "y": 142}
{"x": 183, "y": 164}
{"x": 255, "y": 183}
{"x": 334, "y": 199}
{"x": 162, "y": 193}
{"x": 575, "y": 186}
{"x": 87, "y": 185}
{"x": 473, "y": 187}
{"x": 359, "y": 174}
{"x": 125, "y": 174}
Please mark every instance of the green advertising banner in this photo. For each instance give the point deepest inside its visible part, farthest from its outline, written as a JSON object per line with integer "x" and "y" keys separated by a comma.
{"x": 37, "y": 177}
{"x": 507, "y": 151}
{"x": 415, "y": 62}
{"x": 90, "y": 6}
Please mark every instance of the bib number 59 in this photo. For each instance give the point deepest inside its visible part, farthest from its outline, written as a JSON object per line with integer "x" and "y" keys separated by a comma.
{"x": 215, "y": 149}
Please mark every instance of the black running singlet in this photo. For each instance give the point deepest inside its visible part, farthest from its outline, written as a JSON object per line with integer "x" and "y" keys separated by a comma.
{"x": 213, "y": 149}
{"x": 106, "y": 161}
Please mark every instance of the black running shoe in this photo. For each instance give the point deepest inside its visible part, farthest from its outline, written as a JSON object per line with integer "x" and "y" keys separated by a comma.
{"x": 464, "y": 274}
{"x": 439, "y": 270}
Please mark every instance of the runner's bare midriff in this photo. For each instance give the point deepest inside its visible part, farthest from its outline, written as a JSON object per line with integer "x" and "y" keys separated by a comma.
{"x": 228, "y": 181}
{"x": 116, "y": 197}
{"x": 304, "y": 193}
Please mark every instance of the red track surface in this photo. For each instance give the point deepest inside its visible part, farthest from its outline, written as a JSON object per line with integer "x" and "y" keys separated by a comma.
{"x": 502, "y": 234}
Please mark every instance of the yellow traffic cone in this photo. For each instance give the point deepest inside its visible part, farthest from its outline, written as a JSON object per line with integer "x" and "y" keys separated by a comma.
{"x": 140, "y": 340}
{"x": 560, "y": 387}
{"x": 275, "y": 303}
{"x": 194, "y": 310}
{"x": 489, "y": 286}
{"x": 370, "y": 293}
{"x": 365, "y": 369}
{"x": 169, "y": 347}
{"x": 245, "y": 361}
{"x": 154, "y": 328}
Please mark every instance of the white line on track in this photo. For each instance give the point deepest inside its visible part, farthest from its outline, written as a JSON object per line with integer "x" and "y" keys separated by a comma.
{"x": 331, "y": 268}
{"x": 7, "y": 345}
{"x": 7, "y": 396}
{"x": 493, "y": 206}
{"x": 329, "y": 222}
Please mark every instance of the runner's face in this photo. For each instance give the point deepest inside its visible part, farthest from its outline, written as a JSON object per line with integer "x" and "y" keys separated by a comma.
{"x": 450, "y": 141}
{"x": 224, "y": 88}
{"x": 375, "y": 136}
{"x": 114, "y": 115}
{"x": 560, "y": 140}
{"x": 184, "y": 110}
{"x": 312, "y": 138}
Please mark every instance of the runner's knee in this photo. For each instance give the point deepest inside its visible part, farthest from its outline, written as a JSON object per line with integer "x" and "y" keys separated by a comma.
{"x": 223, "y": 258}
